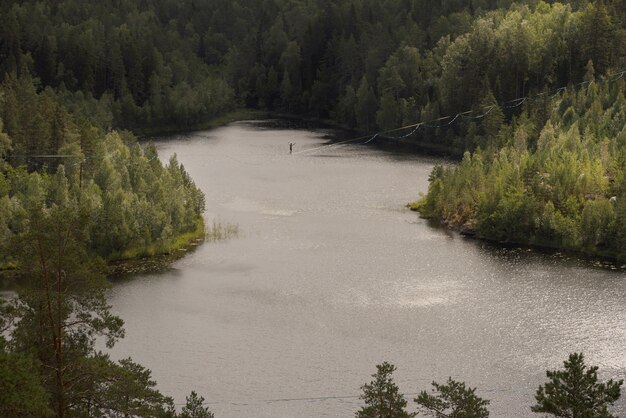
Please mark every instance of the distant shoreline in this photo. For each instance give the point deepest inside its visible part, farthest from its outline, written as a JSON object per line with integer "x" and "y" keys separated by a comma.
{"x": 302, "y": 122}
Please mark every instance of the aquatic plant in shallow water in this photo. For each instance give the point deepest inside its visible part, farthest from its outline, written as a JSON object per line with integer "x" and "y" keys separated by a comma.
{"x": 220, "y": 231}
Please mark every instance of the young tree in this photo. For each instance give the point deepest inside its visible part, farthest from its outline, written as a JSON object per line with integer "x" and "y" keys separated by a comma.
{"x": 575, "y": 392}
{"x": 382, "y": 397}
{"x": 194, "y": 408}
{"x": 452, "y": 400}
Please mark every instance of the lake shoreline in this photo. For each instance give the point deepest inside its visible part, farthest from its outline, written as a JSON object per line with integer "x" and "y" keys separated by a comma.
{"x": 277, "y": 120}
{"x": 597, "y": 260}
{"x": 331, "y": 274}
{"x": 391, "y": 144}
{"x": 137, "y": 260}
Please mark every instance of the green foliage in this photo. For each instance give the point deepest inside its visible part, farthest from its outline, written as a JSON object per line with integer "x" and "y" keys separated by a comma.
{"x": 382, "y": 397}
{"x": 452, "y": 400}
{"x": 122, "y": 389}
{"x": 565, "y": 191}
{"x": 157, "y": 63}
{"x": 574, "y": 392}
{"x": 366, "y": 105}
{"x": 120, "y": 61}
{"x": 49, "y": 364}
{"x": 163, "y": 65}
{"x": 21, "y": 391}
{"x": 194, "y": 407}
{"x": 134, "y": 203}
{"x": 62, "y": 302}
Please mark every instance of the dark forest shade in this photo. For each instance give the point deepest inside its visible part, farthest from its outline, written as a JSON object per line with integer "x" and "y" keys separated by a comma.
{"x": 172, "y": 63}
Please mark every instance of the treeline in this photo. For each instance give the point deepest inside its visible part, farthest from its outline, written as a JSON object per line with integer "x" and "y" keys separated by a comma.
{"x": 135, "y": 205}
{"x": 559, "y": 182}
{"x": 71, "y": 197}
{"x": 137, "y": 62}
{"x": 368, "y": 64}
{"x": 573, "y": 391}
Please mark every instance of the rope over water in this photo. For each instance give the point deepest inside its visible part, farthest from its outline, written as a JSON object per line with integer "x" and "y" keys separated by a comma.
{"x": 510, "y": 104}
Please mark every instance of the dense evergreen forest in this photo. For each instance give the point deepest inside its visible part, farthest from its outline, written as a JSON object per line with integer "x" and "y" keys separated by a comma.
{"x": 369, "y": 65}
{"x": 137, "y": 206}
{"x": 558, "y": 184}
{"x": 543, "y": 164}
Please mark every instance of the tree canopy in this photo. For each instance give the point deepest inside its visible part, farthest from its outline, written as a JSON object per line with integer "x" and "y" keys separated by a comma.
{"x": 164, "y": 64}
{"x": 382, "y": 396}
{"x": 452, "y": 400}
{"x": 575, "y": 392}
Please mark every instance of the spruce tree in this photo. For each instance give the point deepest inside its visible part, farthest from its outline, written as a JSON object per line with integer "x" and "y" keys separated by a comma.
{"x": 382, "y": 397}
{"x": 194, "y": 408}
{"x": 575, "y": 392}
{"x": 452, "y": 400}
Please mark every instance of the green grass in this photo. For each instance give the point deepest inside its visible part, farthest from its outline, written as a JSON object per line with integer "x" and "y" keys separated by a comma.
{"x": 7, "y": 265}
{"x": 420, "y": 206}
{"x": 218, "y": 231}
{"x": 181, "y": 243}
{"x": 155, "y": 259}
{"x": 414, "y": 206}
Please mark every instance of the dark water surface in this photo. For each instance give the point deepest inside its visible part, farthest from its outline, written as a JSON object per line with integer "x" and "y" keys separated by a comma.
{"x": 331, "y": 275}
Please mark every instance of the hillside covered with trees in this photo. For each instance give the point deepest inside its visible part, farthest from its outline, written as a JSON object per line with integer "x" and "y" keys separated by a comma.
{"x": 136, "y": 205}
{"x": 559, "y": 184}
{"x": 530, "y": 92}
{"x": 547, "y": 169}
{"x": 372, "y": 66}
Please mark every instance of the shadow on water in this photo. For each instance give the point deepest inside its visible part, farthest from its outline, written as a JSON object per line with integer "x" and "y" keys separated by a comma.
{"x": 505, "y": 251}
{"x": 125, "y": 270}
{"x": 508, "y": 251}
{"x": 128, "y": 269}
{"x": 328, "y": 156}
{"x": 289, "y": 124}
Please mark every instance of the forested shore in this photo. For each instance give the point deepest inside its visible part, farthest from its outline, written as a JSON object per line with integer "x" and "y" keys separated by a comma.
{"x": 136, "y": 206}
{"x": 370, "y": 66}
{"x": 565, "y": 190}
{"x": 498, "y": 81}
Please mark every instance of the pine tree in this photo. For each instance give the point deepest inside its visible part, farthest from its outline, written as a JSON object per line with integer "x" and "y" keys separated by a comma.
{"x": 194, "y": 408}
{"x": 598, "y": 35}
{"x": 63, "y": 301}
{"x": 381, "y": 396}
{"x": 21, "y": 392}
{"x": 575, "y": 392}
{"x": 452, "y": 400}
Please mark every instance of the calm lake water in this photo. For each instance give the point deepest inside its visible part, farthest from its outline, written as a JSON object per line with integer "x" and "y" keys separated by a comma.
{"x": 331, "y": 275}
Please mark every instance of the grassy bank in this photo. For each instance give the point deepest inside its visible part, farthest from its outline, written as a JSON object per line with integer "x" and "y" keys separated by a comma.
{"x": 179, "y": 243}
{"x": 157, "y": 261}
